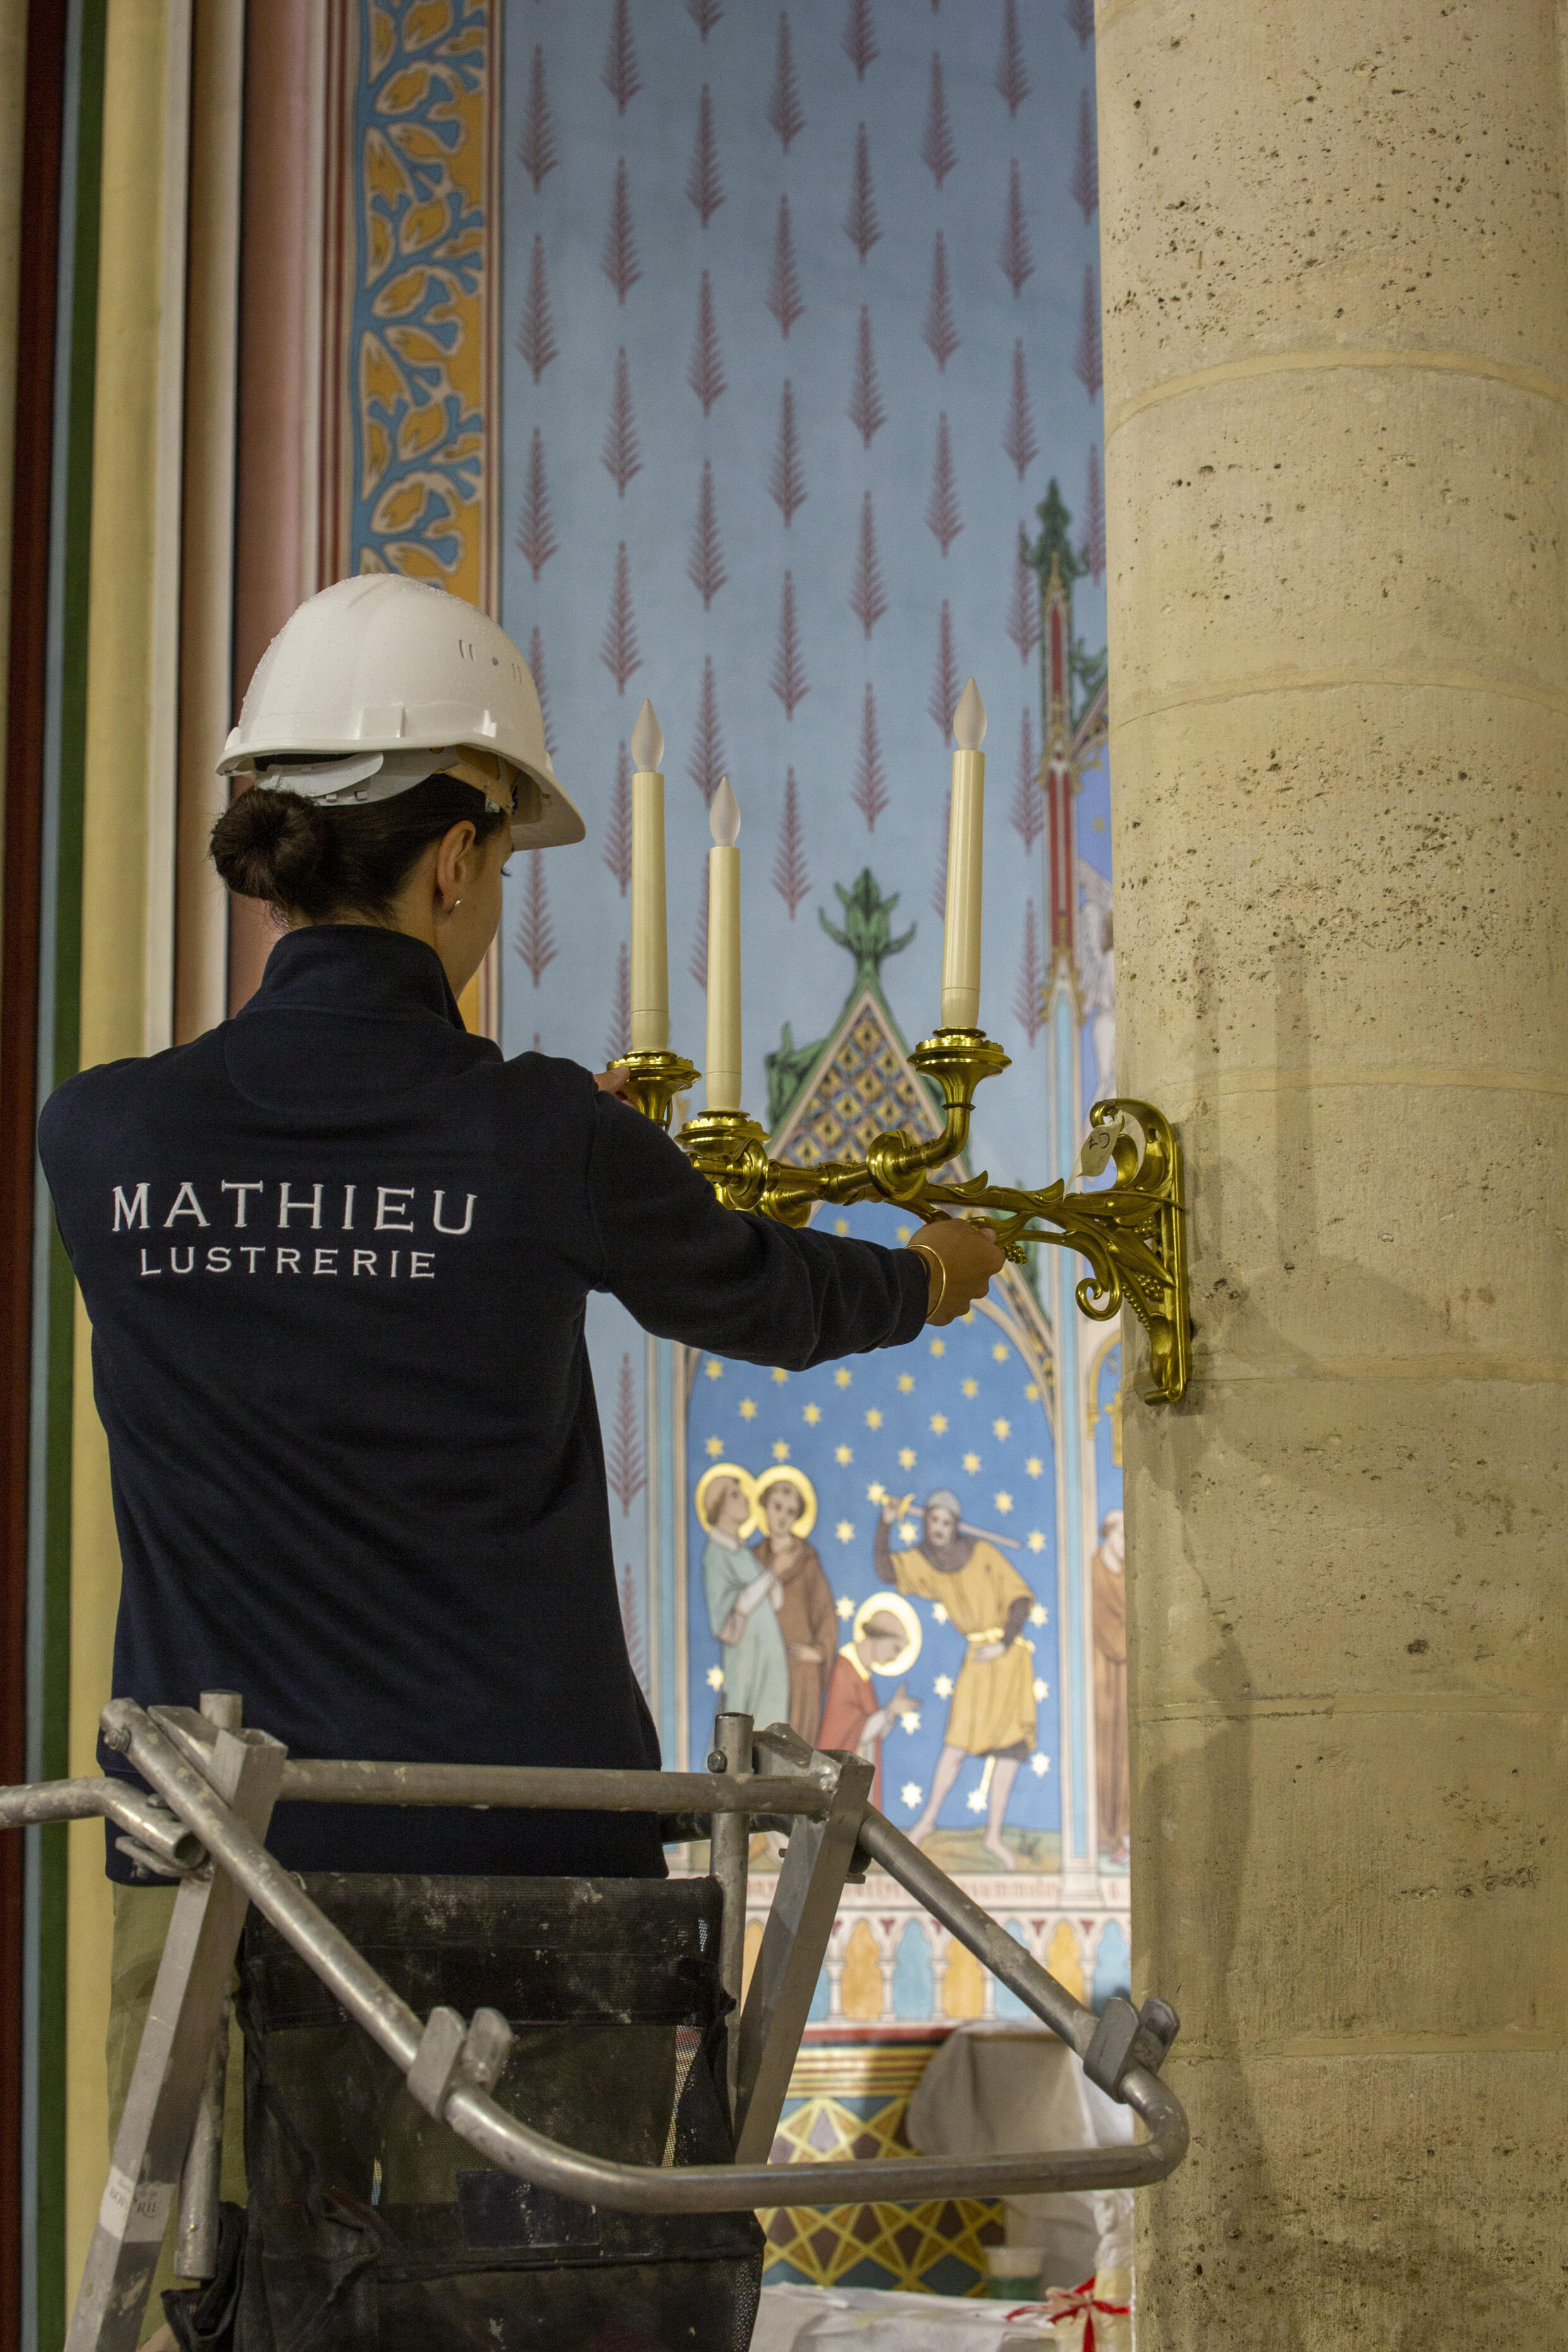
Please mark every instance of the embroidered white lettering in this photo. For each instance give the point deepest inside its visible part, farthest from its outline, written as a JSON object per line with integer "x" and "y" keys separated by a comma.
{"x": 190, "y": 1264}
{"x": 288, "y": 1259}
{"x": 365, "y": 1261}
{"x": 149, "y": 1269}
{"x": 241, "y": 1206}
{"x": 131, "y": 1214}
{"x": 185, "y": 1206}
{"x": 286, "y": 1207}
{"x": 385, "y": 1194}
{"x": 419, "y": 1265}
{"x": 218, "y": 1260}
{"x": 326, "y": 1261}
{"x": 467, "y": 1224}
{"x": 252, "y": 1254}
{"x": 349, "y": 1191}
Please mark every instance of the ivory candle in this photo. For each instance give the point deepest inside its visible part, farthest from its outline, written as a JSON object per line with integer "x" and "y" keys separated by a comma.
{"x": 965, "y": 846}
{"x": 724, "y": 1071}
{"x": 650, "y": 954}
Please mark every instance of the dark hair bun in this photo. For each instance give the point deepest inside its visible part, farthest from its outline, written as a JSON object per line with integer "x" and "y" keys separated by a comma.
{"x": 340, "y": 863}
{"x": 273, "y": 845}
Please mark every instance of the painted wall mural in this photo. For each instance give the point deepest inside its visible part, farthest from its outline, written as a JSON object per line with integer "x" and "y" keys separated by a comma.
{"x": 795, "y": 320}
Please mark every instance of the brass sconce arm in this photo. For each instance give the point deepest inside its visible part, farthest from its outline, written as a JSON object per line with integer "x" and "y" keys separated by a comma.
{"x": 1132, "y": 1231}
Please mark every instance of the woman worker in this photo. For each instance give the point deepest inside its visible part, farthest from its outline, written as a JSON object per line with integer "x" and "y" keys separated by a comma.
{"x": 336, "y": 1254}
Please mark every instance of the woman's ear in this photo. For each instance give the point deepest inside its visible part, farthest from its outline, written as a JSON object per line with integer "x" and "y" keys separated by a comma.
{"x": 456, "y": 868}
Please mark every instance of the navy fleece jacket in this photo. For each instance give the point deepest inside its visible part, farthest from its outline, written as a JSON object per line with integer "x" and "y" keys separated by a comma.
{"x": 336, "y": 1254}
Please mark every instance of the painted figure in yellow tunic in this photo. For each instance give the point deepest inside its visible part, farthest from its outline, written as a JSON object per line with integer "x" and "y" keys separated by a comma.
{"x": 986, "y": 1599}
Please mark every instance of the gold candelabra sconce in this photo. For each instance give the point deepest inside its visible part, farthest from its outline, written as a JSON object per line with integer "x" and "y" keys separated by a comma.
{"x": 1131, "y": 1231}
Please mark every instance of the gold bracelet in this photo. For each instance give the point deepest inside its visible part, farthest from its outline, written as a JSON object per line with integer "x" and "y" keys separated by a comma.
{"x": 924, "y": 1249}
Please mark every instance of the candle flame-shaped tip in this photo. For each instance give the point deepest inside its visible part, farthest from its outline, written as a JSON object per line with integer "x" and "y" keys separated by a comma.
{"x": 648, "y": 739}
{"x": 724, "y": 816}
{"x": 969, "y": 719}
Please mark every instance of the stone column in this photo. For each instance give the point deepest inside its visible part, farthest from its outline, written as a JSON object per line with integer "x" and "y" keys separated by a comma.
{"x": 1336, "y": 313}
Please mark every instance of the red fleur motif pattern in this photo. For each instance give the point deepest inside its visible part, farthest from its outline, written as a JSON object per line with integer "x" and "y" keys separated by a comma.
{"x": 790, "y": 877}
{"x": 705, "y": 564}
{"x": 703, "y": 186}
{"x": 939, "y": 333}
{"x": 1014, "y": 254}
{"x": 1086, "y": 363}
{"x": 536, "y": 150}
{"x": 1028, "y": 810}
{"x": 868, "y": 599}
{"x": 783, "y": 285}
{"x": 535, "y": 334}
{"x": 1026, "y": 997}
{"x": 1019, "y": 435}
{"x": 943, "y": 700}
{"x": 787, "y": 677}
{"x": 536, "y": 532}
{"x": 861, "y": 225}
{"x": 705, "y": 369}
{"x": 938, "y": 152}
{"x": 618, "y": 647}
{"x": 870, "y": 792}
{"x": 619, "y": 71}
{"x": 535, "y": 941}
{"x": 620, "y": 453}
{"x": 942, "y": 514}
{"x": 786, "y": 482}
{"x": 619, "y": 258}
{"x": 706, "y": 765}
{"x": 785, "y": 113}
{"x": 618, "y": 832}
{"x": 866, "y": 409}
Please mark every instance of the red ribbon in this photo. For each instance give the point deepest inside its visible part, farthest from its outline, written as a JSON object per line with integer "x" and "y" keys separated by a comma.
{"x": 1062, "y": 2302}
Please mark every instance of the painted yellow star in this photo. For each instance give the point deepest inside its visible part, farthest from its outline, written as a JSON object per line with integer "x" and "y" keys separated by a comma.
{"x": 873, "y": 1419}
{"x": 875, "y": 1491}
{"x": 842, "y": 1377}
{"x": 1033, "y": 1392}
{"x": 911, "y": 1793}
{"x": 970, "y": 1388}
{"x": 972, "y": 1462}
{"x": 1036, "y": 1540}
{"x": 715, "y": 1446}
{"x": 939, "y": 1424}
{"x": 939, "y": 1612}
{"x": 906, "y": 1383}
{"x": 1042, "y": 1690}
{"x": 911, "y": 1721}
{"x": 748, "y": 1409}
{"x": 907, "y": 1533}
{"x": 943, "y": 1687}
{"x": 842, "y": 1454}
{"x": 999, "y": 1352}
{"x": 906, "y": 1457}
{"x": 904, "y": 1233}
{"x": 841, "y": 1224}
{"x": 781, "y": 1451}
{"x": 780, "y": 1375}
{"x": 1039, "y": 1765}
{"x": 715, "y": 1677}
{"x": 1037, "y": 1615}
{"x": 845, "y": 1607}
{"x": 1034, "y": 1466}
{"x": 1003, "y": 1503}
{"x": 844, "y": 1531}
{"x": 714, "y": 1369}
{"x": 812, "y": 1415}
{"x": 1002, "y": 1428}
{"x": 939, "y": 1347}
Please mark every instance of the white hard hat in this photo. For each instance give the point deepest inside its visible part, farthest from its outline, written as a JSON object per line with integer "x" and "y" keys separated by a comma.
{"x": 381, "y": 681}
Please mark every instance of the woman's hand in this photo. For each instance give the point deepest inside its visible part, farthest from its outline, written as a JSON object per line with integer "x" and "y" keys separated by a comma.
{"x": 966, "y": 1259}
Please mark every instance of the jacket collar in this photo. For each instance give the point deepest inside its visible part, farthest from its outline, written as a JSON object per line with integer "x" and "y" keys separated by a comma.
{"x": 355, "y": 968}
